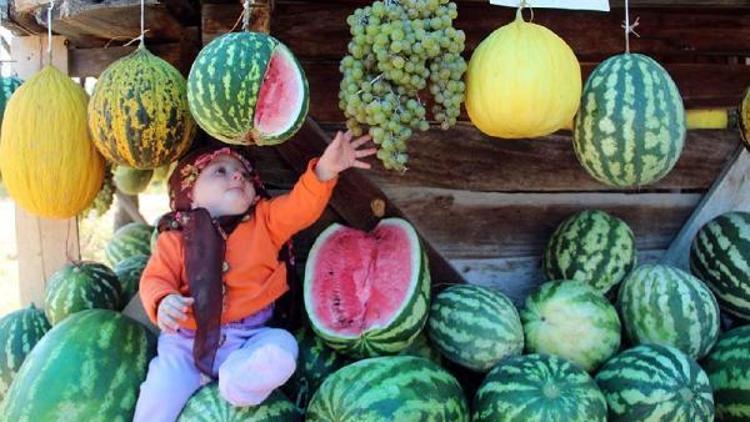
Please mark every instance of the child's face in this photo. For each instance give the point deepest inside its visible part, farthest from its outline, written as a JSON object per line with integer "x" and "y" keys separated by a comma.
{"x": 223, "y": 187}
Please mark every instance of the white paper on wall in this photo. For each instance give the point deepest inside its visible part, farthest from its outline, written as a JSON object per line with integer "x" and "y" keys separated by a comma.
{"x": 602, "y": 5}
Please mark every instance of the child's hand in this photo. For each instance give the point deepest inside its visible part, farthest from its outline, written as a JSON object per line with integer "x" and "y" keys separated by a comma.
{"x": 341, "y": 154}
{"x": 172, "y": 310}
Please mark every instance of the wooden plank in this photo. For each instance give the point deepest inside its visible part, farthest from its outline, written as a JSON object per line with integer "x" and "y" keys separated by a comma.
{"x": 319, "y": 30}
{"x": 357, "y": 200}
{"x": 518, "y": 277}
{"x": 701, "y": 86}
{"x": 44, "y": 246}
{"x": 462, "y": 158}
{"x": 730, "y": 192}
{"x": 479, "y": 225}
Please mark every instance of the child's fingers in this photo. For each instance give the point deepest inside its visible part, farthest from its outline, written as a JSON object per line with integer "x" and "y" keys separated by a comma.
{"x": 167, "y": 323}
{"x": 348, "y": 135}
{"x": 361, "y": 164}
{"x": 365, "y": 152}
{"x": 175, "y": 313}
{"x": 361, "y": 141}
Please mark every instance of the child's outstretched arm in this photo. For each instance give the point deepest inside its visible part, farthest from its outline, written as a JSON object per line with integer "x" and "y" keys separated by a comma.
{"x": 290, "y": 213}
{"x": 161, "y": 279}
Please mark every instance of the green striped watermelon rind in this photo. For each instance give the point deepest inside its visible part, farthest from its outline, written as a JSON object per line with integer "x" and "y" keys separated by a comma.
{"x": 538, "y": 388}
{"x": 208, "y": 405}
{"x": 720, "y": 256}
{"x": 577, "y": 250}
{"x": 651, "y": 382}
{"x": 129, "y": 272}
{"x": 19, "y": 333}
{"x": 130, "y": 239}
{"x": 460, "y": 328}
{"x": 87, "y": 368}
{"x": 644, "y": 144}
{"x": 389, "y": 388}
{"x": 81, "y": 286}
{"x": 665, "y": 305}
{"x": 408, "y": 320}
{"x": 562, "y": 310}
{"x": 728, "y": 369}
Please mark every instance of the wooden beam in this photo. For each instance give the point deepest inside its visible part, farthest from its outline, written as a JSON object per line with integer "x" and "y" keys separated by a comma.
{"x": 730, "y": 192}
{"x": 44, "y": 245}
{"x": 356, "y": 199}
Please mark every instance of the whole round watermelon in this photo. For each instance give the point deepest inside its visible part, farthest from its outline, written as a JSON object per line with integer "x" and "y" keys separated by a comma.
{"x": 207, "y": 405}
{"x": 474, "y": 326}
{"x": 389, "y": 388}
{"x": 248, "y": 88}
{"x": 665, "y": 305}
{"x": 138, "y": 114}
{"x": 81, "y": 286}
{"x": 129, "y": 272}
{"x": 591, "y": 246}
{"x": 129, "y": 240}
{"x": 8, "y": 85}
{"x": 728, "y": 369}
{"x": 19, "y": 333}
{"x": 367, "y": 294}
{"x": 656, "y": 384}
{"x": 720, "y": 256}
{"x": 560, "y": 311}
{"x": 88, "y": 368}
{"x": 538, "y": 388}
{"x": 630, "y": 128}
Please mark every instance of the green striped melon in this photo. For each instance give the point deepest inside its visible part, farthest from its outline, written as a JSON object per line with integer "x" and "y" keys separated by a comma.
{"x": 87, "y": 368}
{"x": 315, "y": 362}
{"x": 207, "y": 405}
{"x": 728, "y": 369}
{"x": 131, "y": 181}
{"x": 720, "y": 256}
{"x": 631, "y": 127}
{"x": 665, "y": 305}
{"x": 81, "y": 286}
{"x": 367, "y": 294}
{"x": 560, "y": 311}
{"x": 538, "y": 388}
{"x": 474, "y": 326}
{"x": 389, "y": 388}
{"x": 654, "y": 383}
{"x": 8, "y": 85}
{"x": 138, "y": 115}
{"x": 129, "y": 272}
{"x": 19, "y": 333}
{"x": 129, "y": 240}
{"x": 422, "y": 347}
{"x": 248, "y": 88}
{"x": 591, "y": 246}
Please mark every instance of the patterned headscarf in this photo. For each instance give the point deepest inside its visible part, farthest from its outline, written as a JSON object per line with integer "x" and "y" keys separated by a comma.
{"x": 205, "y": 244}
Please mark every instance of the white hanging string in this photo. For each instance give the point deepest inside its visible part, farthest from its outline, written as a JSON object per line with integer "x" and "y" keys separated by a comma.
{"x": 524, "y": 4}
{"x": 246, "y": 16}
{"x": 629, "y": 29}
{"x": 142, "y": 36}
{"x": 49, "y": 30}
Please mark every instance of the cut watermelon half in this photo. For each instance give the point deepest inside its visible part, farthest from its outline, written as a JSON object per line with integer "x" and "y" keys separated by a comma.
{"x": 367, "y": 294}
{"x": 283, "y": 99}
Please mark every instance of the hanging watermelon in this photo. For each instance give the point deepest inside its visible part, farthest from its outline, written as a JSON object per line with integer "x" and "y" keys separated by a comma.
{"x": 248, "y": 88}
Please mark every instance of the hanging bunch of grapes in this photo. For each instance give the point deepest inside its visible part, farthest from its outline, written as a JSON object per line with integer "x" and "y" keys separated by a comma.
{"x": 399, "y": 50}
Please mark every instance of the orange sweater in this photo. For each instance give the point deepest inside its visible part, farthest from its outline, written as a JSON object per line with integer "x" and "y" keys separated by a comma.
{"x": 253, "y": 276}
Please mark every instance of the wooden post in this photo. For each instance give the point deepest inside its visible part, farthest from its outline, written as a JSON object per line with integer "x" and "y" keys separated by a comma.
{"x": 44, "y": 245}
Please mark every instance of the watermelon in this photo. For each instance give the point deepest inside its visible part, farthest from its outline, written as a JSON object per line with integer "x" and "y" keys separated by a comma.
{"x": 630, "y": 128}
{"x": 129, "y": 272}
{"x": 315, "y": 362}
{"x": 728, "y": 369}
{"x": 87, "y": 368}
{"x": 138, "y": 115}
{"x": 132, "y": 181}
{"x": 665, "y": 305}
{"x": 560, "y": 311}
{"x": 591, "y": 246}
{"x": 129, "y": 240}
{"x": 655, "y": 383}
{"x": 474, "y": 326}
{"x": 80, "y": 286}
{"x": 389, "y": 388}
{"x": 248, "y": 88}
{"x": 367, "y": 294}
{"x": 422, "y": 347}
{"x": 208, "y": 405}
{"x": 720, "y": 256}
{"x": 538, "y": 388}
{"x": 19, "y": 333}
